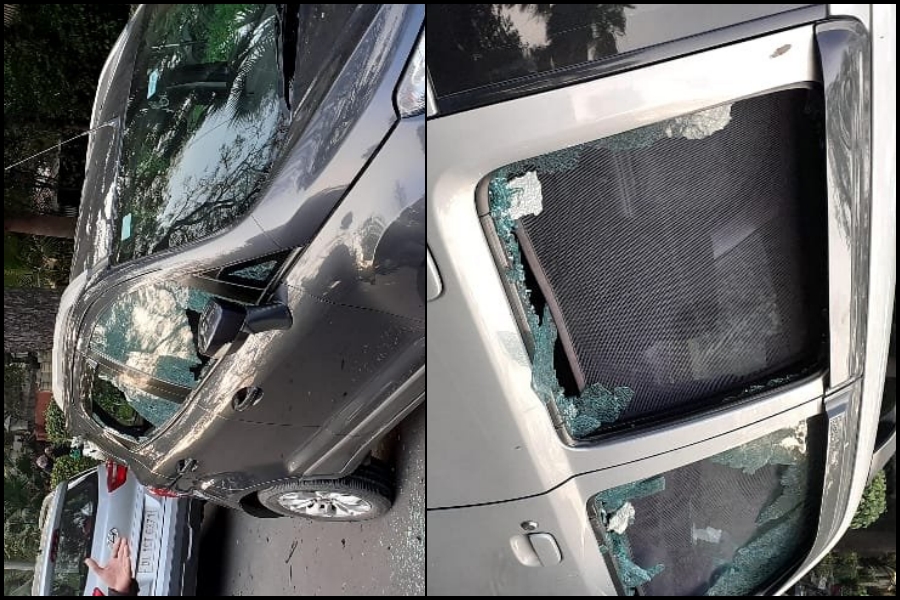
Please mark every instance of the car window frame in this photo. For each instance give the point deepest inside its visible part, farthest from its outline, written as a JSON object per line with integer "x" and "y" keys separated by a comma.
{"x": 213, "y": 282}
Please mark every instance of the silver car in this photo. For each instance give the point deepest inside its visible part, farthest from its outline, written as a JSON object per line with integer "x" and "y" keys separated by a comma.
{"x": 84, "y": 516}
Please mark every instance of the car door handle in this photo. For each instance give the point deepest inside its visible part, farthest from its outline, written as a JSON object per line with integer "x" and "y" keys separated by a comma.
{"x": 536, "y": 549}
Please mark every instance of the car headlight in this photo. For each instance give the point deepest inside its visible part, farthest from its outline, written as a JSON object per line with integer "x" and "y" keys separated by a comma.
{"x": 411, "y": 92}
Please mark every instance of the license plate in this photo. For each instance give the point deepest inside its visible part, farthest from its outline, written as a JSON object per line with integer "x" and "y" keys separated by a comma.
{"x": 149, "y": 552}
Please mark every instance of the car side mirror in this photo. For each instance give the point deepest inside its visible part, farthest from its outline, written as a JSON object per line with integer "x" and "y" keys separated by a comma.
{"x": 223, "y": 322}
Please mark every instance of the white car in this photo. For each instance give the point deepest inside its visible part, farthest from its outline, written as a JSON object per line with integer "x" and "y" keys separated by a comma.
{"x": 85, "y": 515}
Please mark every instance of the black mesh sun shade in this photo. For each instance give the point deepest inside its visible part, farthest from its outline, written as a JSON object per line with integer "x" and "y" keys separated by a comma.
{"x": 684, "y": 260}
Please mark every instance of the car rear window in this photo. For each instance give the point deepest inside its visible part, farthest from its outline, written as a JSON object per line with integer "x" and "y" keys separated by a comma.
{"x": 75, "y": 537}
{"x": 202, "y": 123}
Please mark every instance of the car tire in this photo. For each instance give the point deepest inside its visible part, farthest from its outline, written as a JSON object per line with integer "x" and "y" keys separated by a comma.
{"x": 364, "y": 495}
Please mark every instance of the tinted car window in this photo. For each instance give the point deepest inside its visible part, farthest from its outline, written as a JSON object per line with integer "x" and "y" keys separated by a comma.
{"x": 202, "y": 124}
{"x": 76, "y": 534}
{"x": 152, "y": 330}
{"x": 477, "y": 46}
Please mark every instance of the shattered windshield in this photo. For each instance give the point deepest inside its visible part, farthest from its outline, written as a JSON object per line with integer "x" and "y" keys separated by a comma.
{"x": 724, "y": 526}
{"x": 202, "y": 124}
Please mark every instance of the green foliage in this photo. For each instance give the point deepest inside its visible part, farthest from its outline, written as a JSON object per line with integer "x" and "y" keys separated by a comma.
{"x": 11, "y": 252}
{"x": 21, "y": 535}
{"x": 873, "y": 503}
{"x": 108, "y": 397}
{"x": 223, "y": 38}
{"x": 23, "y": 490}
{"x": 52, "y": 57}
{"x": 852, "y": 575}
{"x": 39, "y": 261}
{"x": 67, "y": 467}
{"x": 55, "y": 422}
{"x": 14, "y": 402}
{"x": 15, "y": 491}
{"x": 17, "y": 583}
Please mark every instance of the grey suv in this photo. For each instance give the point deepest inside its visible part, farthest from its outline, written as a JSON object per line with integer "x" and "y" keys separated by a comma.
{"x": 245, "y": 318}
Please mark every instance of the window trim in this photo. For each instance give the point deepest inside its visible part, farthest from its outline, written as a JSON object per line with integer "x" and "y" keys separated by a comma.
{"x": 145, "y": 382}
{"x": 230, "y": 291}
{"x": 213, "y": 281}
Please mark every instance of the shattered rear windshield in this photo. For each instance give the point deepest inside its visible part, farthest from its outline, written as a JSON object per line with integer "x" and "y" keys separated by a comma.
{"x": 724, "y": 526}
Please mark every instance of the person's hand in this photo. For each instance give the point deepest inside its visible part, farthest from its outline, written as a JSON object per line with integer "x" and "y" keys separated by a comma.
{"x": 117, "y": 572}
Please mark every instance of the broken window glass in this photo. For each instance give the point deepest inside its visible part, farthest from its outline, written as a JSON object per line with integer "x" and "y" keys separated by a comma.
{"x": 511, "y": 198}
{"x": 726, "y": 525}
{"x": 671, "y": 268}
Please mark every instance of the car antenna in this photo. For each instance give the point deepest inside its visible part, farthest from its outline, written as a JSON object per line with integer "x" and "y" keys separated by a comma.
{"x": 59, "y": 144}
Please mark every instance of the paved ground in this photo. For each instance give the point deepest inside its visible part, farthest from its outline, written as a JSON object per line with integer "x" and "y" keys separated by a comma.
{"x": 242, "y": 555}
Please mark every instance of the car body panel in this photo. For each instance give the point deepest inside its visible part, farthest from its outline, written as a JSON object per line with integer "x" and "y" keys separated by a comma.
{"x": 330, "y": 148}
{"x": 482, "y": 536}
{"x": 339, "y": 361}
